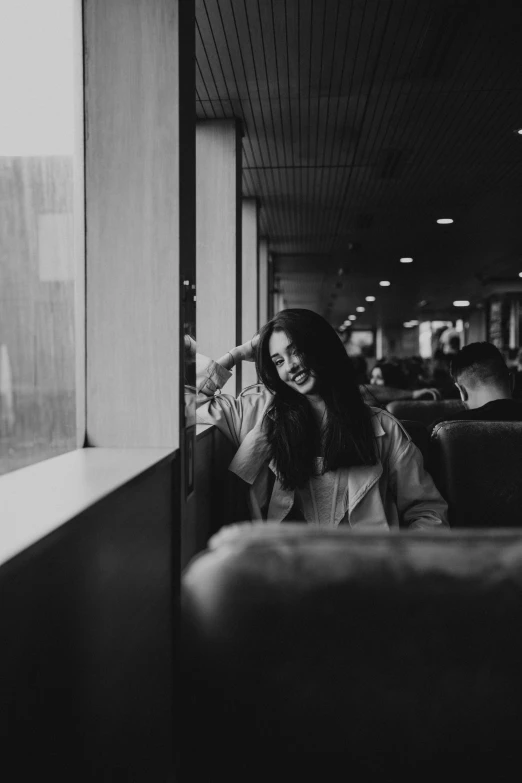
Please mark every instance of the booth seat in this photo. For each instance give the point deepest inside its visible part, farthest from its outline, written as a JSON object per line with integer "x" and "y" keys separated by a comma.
{"x": 426, "y": 411}
{"x": 324, "y": 654}
{"x": 477, "y": 466}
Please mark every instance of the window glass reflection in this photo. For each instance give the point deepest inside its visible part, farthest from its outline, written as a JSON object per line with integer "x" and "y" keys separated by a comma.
{"x": 39, "y": 175}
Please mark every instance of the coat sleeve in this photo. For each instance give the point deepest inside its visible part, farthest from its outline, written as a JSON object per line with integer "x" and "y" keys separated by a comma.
{"x": 419, "y": 503}
{"x": 235, "y": 417}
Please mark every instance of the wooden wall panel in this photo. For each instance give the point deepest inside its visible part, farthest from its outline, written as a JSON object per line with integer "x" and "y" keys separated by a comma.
{"x": 218, "y": 252}
{"x": 263, "y": 282}
{"x": 132, "y": 219}
{"x": 214, "y": 491}
{"x": 88, "y": 626}
{"x": 250, "y": 272}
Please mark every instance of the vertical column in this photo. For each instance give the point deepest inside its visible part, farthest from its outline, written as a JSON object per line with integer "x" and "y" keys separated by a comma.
{"x": 271, "y": 285}
{"x": 218, "y": 249}
{"x": 514, "y": 318}
{"x": 379, "y": 352}
{"x": 263, "y": 282}
{"x": 250, "y": 273}
{"x": 134, "y": 215}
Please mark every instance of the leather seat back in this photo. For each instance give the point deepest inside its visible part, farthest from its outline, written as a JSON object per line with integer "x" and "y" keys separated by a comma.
{"x": 426, "y": 411}
{"x": 477, "y": 466}
{"x": 400, "y": 651}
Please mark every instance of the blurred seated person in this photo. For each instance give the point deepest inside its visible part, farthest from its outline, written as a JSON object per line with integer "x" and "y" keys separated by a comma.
{"x": 484, "y": 384}
{"x": 440, "y": 375}
{"x": 453, "y": 345}
{"x": 416, "y": 372}
{"x": 388, "y": 382}
{"x": 387, "y": 374}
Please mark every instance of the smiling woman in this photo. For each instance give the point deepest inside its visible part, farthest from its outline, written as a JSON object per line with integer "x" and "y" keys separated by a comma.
{"x": 308, "y": 447}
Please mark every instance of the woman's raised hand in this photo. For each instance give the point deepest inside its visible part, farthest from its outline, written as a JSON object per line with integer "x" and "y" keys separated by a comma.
{"x": 245, "y": 352}
{"x": 250, "y": 349}
{"x": 241, "y": 353}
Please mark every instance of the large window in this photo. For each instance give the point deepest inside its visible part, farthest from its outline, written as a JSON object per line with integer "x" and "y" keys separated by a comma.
{"x": 41, "y": 213}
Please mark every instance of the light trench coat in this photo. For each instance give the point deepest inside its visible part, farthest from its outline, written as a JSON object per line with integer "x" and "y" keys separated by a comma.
{"x": 396, "y": 491}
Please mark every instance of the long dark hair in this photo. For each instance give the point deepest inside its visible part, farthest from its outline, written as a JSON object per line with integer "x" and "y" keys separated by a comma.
{"x": 293, "y": 434}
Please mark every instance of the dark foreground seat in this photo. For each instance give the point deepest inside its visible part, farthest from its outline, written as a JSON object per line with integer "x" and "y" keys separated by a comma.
{"x": 426, "y": 411}
{"x": 477, "y": 466}
{"x": 395, "y": 655}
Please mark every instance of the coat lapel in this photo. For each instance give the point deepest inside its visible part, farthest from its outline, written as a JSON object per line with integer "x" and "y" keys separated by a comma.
{"x": 362, "y": 478}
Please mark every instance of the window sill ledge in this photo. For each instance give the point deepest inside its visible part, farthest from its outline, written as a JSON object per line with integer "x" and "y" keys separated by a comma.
{"x": 38, "y": 499}
{"x": 202, "y": 430}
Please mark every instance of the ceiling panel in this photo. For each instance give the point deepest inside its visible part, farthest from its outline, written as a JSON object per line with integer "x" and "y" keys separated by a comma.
{"x": 364, "y": 121}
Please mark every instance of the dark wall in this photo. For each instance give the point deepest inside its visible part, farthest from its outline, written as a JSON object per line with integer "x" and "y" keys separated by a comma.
{"x": 88, "y": 618}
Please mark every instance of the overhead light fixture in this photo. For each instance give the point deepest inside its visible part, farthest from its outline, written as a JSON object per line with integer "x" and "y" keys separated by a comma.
{"x": 370, "y": 299}
{"x": 346, "y": 323}
{"x": 520, "y": 274}
{"x": 461, "y": 303}
{"x": 410, "y": 324}
{"x": 406, "y": 260}
{"x": 360, "y": 309}
{"x": 384, "y": 283}
{"x": 444, "y": 221}
{"x": 519, "y": 131}
{"x": 352, "y": 317}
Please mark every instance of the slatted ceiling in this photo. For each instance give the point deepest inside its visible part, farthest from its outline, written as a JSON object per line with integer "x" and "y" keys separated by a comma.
{"x": 363, "y": 120}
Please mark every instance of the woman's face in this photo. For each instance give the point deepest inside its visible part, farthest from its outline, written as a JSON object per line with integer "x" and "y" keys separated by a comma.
{"x": 290, "y": 365}
{"x": 376, "y": 377}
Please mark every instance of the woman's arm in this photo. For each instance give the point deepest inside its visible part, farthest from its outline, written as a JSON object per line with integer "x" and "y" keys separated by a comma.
{"x": 385, "y": 394}
{"x": 419, "y": 503}
{"x": 241, "y": 353}
{"x": 233, "y": 416}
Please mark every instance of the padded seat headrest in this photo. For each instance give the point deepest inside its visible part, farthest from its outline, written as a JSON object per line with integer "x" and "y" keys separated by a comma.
{"x": 405, "y": 646}
{"x": 478, "y": 469}
{"x": 426, "y": 411}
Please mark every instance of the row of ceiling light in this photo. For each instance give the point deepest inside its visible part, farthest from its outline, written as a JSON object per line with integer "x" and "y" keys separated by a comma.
{"x": 386, "y": 283}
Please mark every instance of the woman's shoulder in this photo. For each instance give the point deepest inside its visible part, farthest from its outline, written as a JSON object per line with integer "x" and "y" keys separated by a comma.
{"x": 384, "y": 423}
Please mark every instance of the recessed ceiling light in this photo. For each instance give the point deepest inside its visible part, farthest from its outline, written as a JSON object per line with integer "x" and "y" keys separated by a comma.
{"x": 461, "y": 303}
{"x": 352, "y": 317}
{"x": 370, "y": 299}
{"x": 360, "y": 309}
{"x": 520, "y": 274}
{"x": 444, "y": 221}
{"x": 346, "y": 323}
{"x": 519, "y": 131}
{"x": 384, "y": 282}
{"x": 406, "y": 260}
{"x": 410, "y": 324}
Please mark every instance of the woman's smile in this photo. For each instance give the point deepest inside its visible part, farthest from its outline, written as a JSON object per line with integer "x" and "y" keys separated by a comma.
{"x": 301, "y": 377}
